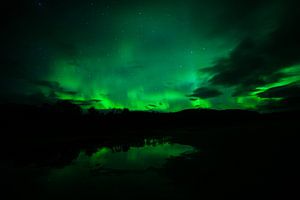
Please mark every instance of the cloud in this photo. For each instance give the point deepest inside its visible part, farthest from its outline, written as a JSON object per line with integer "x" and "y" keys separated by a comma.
{"x": 258, "y": 61}
{"x": 85, "y": 102}
{"x": 205, "y": 92}
{"x": 285, "y": 97}
{"x": 53, "y": 86}
{"x": 285, "y": 104}
{"x": 286, "y": 91}
{"x": 151, "y": 106}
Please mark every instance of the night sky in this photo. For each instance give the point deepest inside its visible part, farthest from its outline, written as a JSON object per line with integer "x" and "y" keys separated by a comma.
{"x": 164, "y": 55}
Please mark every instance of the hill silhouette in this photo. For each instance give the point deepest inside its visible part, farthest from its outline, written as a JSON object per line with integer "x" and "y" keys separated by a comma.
{"x": 67, "y": 119}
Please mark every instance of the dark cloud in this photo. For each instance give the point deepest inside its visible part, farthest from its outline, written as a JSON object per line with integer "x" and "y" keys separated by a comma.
{"x": 285, "y": 104}
{"x": 256, "y": 62}
{"x": 53, "y": 86}
{"x": 151, "y": 106}
{"x": 205, "y": 92}
{"x": 280, "y": 98}
{"x": 85, "y": 102}
{"x": 287, "y": 91}
{"x": 193, "y": 99}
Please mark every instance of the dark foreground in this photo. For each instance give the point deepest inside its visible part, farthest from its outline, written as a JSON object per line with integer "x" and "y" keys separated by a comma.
{"x": 58, "y": 152}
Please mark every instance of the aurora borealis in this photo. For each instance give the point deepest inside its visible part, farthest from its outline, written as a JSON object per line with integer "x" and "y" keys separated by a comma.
{"x": 152, "y": 55}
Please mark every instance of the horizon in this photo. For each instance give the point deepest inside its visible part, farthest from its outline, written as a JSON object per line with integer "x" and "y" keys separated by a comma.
{"x": 63, "y": 104}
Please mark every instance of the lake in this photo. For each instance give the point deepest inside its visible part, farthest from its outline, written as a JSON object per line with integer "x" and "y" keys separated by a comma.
{"x": 106, "y": 172}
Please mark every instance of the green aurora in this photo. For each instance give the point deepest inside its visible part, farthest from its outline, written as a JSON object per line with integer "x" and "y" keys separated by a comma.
{"x": 152, "y": 55}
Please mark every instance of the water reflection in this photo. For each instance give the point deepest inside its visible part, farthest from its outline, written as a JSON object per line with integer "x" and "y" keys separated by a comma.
{"x": 130, "y": 173}
{"x": 153, "y": 154}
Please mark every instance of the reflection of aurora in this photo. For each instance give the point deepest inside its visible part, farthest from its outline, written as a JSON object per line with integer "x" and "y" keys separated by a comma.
{"x": 107, "y": 170}
{"x": 152, "y": 154}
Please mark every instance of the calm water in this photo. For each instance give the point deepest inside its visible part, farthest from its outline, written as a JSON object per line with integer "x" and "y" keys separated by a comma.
{"x": 107, "y": 172}
{"x": 221, "y": 167}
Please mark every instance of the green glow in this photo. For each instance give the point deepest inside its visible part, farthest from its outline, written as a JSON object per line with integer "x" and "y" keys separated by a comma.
{"x": 137, "y": 91}
{"x": 151, "y": 63}
{"x": 131, "y": 85}
{"x": 249, "y": 102}
{"x": 147, "y": 55}
{"x": 124, "y": 82}
{"x": 200, "y": 103}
